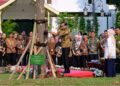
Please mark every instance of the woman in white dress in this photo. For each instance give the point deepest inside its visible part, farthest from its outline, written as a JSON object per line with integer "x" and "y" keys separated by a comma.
{"x": 110, "y": 53}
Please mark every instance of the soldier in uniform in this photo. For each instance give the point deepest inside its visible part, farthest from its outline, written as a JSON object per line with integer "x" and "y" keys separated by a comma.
{"x": 117, "y": 37}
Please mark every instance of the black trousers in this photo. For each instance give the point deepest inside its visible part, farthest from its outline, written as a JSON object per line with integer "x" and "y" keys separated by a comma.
{"x": 18, "y": 57}
{"x": 83, "y": 61}
{"x": 11, "y": 58}
{"x": 118, "y": 65}
{"x": 65, "y": 58}
{"x": 1, "y": 59}
{"x": 93, "y": 57}
{"x": 110, "y": 68}
{"x": 25, "y": 59}
{"x": 76, "y": 61}
{"x": 59, "y": 60}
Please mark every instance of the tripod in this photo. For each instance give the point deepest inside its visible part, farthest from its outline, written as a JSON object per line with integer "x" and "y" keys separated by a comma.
{"x": 32, "y": 43}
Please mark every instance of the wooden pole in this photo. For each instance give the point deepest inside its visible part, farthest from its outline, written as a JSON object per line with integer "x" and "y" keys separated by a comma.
{"x": 40, "y": 15}
{"x": 20, "y": 59}
{"x": 0, "y": 21}
{"x": 49, "y": 19}
{"x": 22, "y": 73}
{"x": 26, "y": 68}
{"x": 51, "y": 64}
{"x": 31, "y": 50}
{"x": 40, "y": 48}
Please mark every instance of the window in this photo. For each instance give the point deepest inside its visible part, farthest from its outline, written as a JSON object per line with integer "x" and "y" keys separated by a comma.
{"x": 111, "y": 1}
{"x": 89, "y": 1}
{"x": 49, "y": 1}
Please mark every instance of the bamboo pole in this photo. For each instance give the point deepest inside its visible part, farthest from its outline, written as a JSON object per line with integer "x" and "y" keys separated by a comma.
{"x": 20, "y": 59}
{"x": 0, "y": 21}
{"x": 48, "y": 19}
{"x": 51, "y": 64}
{"x": 31, "y": 50}
{"x": 40, "y": 48}
{"x": 22, "y": 73}
{"x": 26, "y": 68}
{"x": 34, "y": 67}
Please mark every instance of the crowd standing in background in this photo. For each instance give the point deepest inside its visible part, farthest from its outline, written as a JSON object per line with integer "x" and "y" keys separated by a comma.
{"x": 12, "y": 47}
{"x": 67, "y": 50}
{"x": 88, "y": 48}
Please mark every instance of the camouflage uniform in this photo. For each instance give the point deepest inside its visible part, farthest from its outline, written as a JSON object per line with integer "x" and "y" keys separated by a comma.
{"x": 118, "y": 53}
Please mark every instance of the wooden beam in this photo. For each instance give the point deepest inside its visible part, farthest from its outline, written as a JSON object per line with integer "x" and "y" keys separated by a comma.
{"x": 6, "y": 4}
{"x": 31, "y": 50}
{"x": 51, "y": 9}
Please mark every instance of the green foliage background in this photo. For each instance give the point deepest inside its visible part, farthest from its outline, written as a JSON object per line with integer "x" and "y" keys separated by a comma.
{"x": 96, "y": 24}
{"x": 73, "y": 21}
{"x": 65, "y": 17}
{"x": 78, "y": 22}
{"x": 88, "y": 25}
{"x": 9, "y": 26}
{"x": 82, "y": 24}
{"x": 117, "y": 19}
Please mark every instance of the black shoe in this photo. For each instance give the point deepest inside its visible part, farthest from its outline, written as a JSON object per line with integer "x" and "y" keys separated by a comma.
{"x": 67, "y": 71}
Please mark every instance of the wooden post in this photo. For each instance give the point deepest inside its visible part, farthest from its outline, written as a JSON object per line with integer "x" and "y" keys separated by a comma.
{"x": 49, "y": 19}
{"x": 31, "y": 50}
{"x": 22, "y": 73}
{"x": 0, "y": 21}
{"x": 40, "y": 15}
{"x": 51, "y": 64}
{"x": 20, "y": 59}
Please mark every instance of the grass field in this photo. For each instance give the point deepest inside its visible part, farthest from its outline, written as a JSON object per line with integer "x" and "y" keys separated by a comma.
{"x": 100, "y": 81}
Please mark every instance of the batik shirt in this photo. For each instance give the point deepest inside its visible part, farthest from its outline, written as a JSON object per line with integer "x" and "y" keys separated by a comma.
{"x": 93, "y": 46}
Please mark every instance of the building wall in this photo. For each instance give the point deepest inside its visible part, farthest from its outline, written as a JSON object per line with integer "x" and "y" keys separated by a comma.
{"x": 101, "y": 20}
{"x": 21, "y": 9}
{"x": 25, "y": 9}
{"x": 78, "y": 5}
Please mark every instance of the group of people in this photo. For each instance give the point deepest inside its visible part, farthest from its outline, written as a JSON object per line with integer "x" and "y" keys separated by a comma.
{"x": 67, "y": 50}
{"x": 80, "y": 49}
{"x": 11, "y": 48}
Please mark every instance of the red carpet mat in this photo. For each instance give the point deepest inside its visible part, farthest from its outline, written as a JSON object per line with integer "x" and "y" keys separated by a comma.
{"x": 78, "y": 74}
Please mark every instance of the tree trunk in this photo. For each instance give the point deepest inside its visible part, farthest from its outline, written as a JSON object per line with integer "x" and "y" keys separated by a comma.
{"x": 40, "y": 15}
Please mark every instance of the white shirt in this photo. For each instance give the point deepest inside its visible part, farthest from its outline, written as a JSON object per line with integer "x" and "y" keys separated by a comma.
{"x": 110, "y": 48}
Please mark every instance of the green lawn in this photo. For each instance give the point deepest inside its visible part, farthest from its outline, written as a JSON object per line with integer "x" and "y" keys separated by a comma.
{"x": 101, "y": 81}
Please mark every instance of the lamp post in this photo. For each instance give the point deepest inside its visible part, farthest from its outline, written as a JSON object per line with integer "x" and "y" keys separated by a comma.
{"x": 94, "y": 13}
{"x": 85, "y": 10}
{"x": 107, "y": 16}
{"x": 102, "y": 11}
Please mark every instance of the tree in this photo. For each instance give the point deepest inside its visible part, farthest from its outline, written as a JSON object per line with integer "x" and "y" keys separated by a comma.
{"x": 117, "y": 19}
{"x": 71, "y": 20}
{"x": 115, "y": 2}
{"x": 9, "y": 26}
{"x": 82, "y": 24}
{"x": 88, "y": 25}
{"x": 76, "y": 21}
{"x": 62, "y": 17}
{"x": 95, "y": 25}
